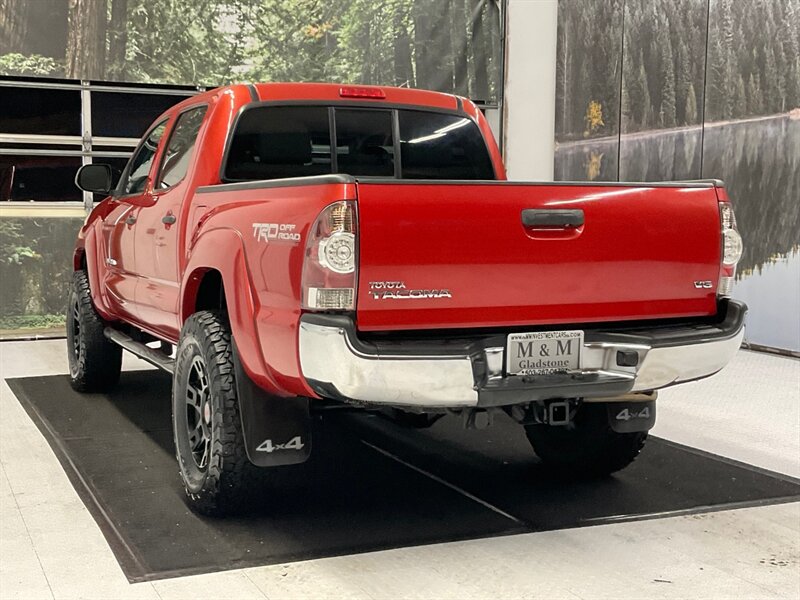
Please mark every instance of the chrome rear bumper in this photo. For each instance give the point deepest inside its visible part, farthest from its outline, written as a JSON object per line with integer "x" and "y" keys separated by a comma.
{"x": 338, "y": 365}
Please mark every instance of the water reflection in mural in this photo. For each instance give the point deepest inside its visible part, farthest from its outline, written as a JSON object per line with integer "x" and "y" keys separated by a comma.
{"x": 773, "y": 294}
{"x": 759, "y": 161}
{"x": 710, "y": 88}
{"x": 660, "y": 155}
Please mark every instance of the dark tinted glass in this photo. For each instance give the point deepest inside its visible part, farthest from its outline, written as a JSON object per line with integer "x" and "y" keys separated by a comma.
{"x": 42, "y": 112}
{"x": 142, "y": 161}
{"x": 120, "y": 114}
{"x": 44, "y": 178}
{"x": 271, "y": 142}
{"x": 179, "y": 150}
{"x": 293, "y": 141}
{"x": 440, "y": 146}
{"x": 364, "y": 142}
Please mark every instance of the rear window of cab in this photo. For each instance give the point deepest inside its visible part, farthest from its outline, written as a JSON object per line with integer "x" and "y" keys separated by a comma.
{"x": 272, "y": 142}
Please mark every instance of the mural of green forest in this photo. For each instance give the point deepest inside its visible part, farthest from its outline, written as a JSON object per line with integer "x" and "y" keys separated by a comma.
{"x": 35, "y": 270}
{"x": 447, "y": 45}
{"x": 651, "y": 90}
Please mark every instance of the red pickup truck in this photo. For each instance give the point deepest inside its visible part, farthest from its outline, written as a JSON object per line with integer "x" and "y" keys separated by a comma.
{"x": 282, "y": 248}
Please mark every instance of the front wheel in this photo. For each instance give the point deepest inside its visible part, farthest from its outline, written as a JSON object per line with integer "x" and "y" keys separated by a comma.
{"x": 209, "y": 443}
{"x": 586, "y": 447}
{"x": 94, "y": 361}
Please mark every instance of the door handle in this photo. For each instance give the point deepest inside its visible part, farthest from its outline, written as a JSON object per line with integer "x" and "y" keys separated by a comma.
{"x": 169, "y": 219}
{"x": 130, "y": 220}
{"x": 545, "y": 218}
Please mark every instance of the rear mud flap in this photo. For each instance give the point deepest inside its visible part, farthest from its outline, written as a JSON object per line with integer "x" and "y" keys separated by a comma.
{"x": 629, "y": 417}
{"x": 277, "y": 431}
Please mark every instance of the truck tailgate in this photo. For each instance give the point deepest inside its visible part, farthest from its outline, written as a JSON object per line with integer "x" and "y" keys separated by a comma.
{"x": 458, "y": 254}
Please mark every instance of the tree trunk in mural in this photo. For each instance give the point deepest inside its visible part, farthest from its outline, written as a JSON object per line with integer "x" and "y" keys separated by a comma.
{"x": 495, "y": 48}
{"x": 13, "y": 26}
{"x": 480, "y": 54}
{"x": 441, "y": 65}
{"x": 86, "y": 44}
{"x": 117, "y": 39}
{"x": 403, "y": 69}
{"x": 422, "y": 39}
{"x": 458, "y": 38}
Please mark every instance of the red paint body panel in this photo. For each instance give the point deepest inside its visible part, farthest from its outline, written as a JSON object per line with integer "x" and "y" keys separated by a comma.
{"x": 269, "y": 274}
{"x": 636, "y": 256}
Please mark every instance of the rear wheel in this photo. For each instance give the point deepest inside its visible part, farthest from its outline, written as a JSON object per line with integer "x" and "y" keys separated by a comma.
{"x": 587, "y": 447}
{"x": 209, "y": 443}
{"x": 94, "y": 361}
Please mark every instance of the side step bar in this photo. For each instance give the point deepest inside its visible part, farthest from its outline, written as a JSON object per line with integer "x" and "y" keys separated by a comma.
{"x": 154, "y": 357}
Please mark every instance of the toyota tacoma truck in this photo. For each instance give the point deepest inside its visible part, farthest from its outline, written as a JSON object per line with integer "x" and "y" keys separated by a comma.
{"x": 285, "y": 248}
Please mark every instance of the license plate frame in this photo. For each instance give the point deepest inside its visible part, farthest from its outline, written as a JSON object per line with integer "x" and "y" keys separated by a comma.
{"x": 543, "y": 352}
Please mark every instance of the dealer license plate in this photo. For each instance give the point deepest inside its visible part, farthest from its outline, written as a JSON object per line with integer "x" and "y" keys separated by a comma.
{"x": 543, "y": 352}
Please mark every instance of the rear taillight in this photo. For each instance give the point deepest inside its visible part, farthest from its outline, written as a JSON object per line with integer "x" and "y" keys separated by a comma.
{"x": 731, "y": 249}
{"x": 329, "y": 268}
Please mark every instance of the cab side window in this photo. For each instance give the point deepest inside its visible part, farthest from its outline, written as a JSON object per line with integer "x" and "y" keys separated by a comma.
{"x": 179, "y": 150}
{"x": 139, "y": 168}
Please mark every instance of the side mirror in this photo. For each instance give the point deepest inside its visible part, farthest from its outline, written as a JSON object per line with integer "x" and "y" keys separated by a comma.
{"x": 95, "y": 178}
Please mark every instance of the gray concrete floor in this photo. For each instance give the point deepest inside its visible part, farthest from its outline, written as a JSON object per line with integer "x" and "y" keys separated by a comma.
{"x": 50, "y": 547}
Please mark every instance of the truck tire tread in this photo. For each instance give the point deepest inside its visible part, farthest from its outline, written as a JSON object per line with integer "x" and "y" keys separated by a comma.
{"x": 231, "y": 479}
{"x": 97, "y": 366}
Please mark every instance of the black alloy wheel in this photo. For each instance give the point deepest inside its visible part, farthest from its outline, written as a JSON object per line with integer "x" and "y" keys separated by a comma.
{"x": 75, "y": 337}
{"x": 218, "y": 477}
{"x": 198, "y": 413}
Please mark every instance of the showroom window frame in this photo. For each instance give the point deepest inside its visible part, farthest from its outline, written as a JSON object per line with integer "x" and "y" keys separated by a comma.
{"x": 89, "y": 147}
{"x": 84, "y": 145}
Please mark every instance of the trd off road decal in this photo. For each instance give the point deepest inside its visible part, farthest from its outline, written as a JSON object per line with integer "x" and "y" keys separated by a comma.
{"x": 276, "y": 232}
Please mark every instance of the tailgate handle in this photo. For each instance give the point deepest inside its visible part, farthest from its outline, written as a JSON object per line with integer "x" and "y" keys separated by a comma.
{"x": 551, "y": 218}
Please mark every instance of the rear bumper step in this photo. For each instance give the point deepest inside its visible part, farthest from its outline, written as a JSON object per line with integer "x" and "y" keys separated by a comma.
{"x": 337, "y": 364}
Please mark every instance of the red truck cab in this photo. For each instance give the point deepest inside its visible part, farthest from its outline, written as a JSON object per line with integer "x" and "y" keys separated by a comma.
{"x": 278, "y": 247}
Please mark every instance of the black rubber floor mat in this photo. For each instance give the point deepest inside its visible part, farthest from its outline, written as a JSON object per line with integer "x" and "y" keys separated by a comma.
{"x": 370, "y": 485}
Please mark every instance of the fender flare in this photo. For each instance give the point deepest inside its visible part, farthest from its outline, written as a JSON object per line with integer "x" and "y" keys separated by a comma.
{"x": 269, "y": 420}
{"x": 240, "y": 298}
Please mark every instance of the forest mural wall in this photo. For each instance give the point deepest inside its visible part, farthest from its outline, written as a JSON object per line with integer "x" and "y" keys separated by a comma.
{"x": 687, "y": 89}
{"x": 446, "y": 45}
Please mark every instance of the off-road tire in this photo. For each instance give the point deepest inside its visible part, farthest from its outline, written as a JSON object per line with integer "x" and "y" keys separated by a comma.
{"x": 587, "y": 447}
{"x": 94, "y": 361}
{"x": 227, "y": 481}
